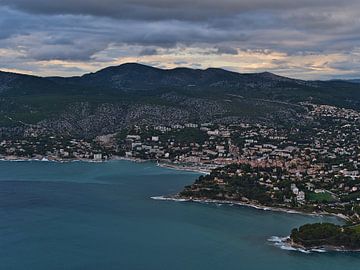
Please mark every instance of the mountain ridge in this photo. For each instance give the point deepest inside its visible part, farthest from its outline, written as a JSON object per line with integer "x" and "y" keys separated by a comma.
{"x": 137, "y": 65}
{"x": 116, "y": 97}
{"x": 139, "y": 77}
{"x": 142, "y": 67}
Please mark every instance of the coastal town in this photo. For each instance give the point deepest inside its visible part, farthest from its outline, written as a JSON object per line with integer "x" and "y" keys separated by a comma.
{"x": 193, "y": 134}
{"x": 312, "y": 167}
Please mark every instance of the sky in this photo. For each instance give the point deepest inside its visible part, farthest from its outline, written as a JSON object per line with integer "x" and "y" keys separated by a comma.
{"x": 307, "y": 39}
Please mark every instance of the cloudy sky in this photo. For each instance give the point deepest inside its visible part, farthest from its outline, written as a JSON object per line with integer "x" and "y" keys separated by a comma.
{"x": 310, "y": 39}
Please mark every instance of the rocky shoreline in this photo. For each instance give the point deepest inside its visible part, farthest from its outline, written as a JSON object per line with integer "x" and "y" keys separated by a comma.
{"x": 326, "y": 248}
{"x": 255, "y": 205}
{"x": 286, "y": 243}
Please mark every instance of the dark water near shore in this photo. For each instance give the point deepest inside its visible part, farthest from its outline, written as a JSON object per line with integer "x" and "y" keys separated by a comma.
{"x": 99, "y": 216}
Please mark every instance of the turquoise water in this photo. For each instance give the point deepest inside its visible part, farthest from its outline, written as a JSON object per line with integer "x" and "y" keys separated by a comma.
{"x": 99, "y": 216}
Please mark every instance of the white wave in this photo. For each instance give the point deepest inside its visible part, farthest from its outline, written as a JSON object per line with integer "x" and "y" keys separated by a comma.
{"x": 163, "y": 198}
{"x": 13, "y": 160}
{"x": 281, "y": 242}
{"x": 277, "y": 239}
{"x": 318, "y": 250}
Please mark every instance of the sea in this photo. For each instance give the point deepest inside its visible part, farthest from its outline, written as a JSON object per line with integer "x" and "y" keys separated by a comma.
{"x": 101, "y": 216}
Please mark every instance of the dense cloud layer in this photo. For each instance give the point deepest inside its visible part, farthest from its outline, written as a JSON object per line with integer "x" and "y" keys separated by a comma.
{"x": 310, "y": 39}
{"x": 168, "y": 10}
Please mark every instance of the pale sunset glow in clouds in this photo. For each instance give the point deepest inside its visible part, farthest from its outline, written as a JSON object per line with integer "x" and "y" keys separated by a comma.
{"x": 318, "y": 39}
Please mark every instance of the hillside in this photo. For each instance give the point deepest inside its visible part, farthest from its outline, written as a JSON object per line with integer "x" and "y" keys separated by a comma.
{"x": 116, "y": 97}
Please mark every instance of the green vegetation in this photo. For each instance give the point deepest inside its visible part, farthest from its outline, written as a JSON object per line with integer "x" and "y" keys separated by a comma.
{"x": 354, "y": 197}
{"x": 186, "y": 135}
{"x": 356, "y": 228}
{"x": 224, "y": 183}
{"x": 327, "y": 234}
{"x": 323, "y": 197}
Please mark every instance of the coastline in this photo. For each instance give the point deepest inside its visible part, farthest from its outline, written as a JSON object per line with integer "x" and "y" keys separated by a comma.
{"x": 286, "y": 243}
{"x": 198, "y": 168}
{"x": 46, "y": 159}
{"x": 51, "y": 160}
{"x": 182, "y": 167}
{"x": 254, "y": 205}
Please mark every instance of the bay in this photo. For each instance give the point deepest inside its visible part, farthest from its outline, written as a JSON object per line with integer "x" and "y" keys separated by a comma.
{"x": 97, "y": 216}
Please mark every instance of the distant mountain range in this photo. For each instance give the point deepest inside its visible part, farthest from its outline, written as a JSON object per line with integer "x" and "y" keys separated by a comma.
{"x": 116, "y": 97}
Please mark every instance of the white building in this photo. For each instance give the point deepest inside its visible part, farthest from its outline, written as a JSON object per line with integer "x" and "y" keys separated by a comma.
{"x": 97, "y": 156}
{"x": 155, "y": 138}
{"x": 301, "y": 196}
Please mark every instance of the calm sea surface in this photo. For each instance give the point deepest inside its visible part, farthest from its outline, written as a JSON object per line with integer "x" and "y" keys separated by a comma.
{"x": 99, "y": 216}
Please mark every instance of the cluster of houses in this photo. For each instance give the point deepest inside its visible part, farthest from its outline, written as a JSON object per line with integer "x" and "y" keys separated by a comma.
{"x": 164, "y": 147}
{"x": 52, "y": 148}
{"x": 323, "y": 156}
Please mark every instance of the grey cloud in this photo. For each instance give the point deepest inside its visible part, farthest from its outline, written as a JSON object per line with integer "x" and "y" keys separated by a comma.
{"x": 51, "y": 40}
{"x": 82, "y": 30}
{"x": 226, "y": 50}
{"x": 352, "y": 65}
{"x": 148, "y": 51}
{"x": 180, "y": 63}
{"x": 163, "y": 10}
{"x": 69, "y": 37}
{"x": 59, "y": 52}
{"x": 195, "y": 65}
